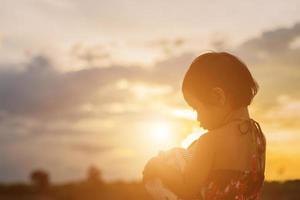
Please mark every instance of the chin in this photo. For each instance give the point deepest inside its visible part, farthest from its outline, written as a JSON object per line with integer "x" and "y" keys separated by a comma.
{"x": 203, "y": 125}
{"x": 206, "y": 125}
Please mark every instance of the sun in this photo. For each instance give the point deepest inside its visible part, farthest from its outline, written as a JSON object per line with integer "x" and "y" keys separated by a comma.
{"x": 160, "y": 132}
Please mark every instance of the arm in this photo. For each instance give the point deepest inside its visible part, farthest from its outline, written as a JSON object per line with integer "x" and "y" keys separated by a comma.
{"x": 195, "y": 173}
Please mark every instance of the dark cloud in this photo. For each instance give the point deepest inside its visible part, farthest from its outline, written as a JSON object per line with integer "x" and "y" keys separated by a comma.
{"x": 273, "y": 46}
{"x": 273, "y": 62}
{"x": 41, "y": 91}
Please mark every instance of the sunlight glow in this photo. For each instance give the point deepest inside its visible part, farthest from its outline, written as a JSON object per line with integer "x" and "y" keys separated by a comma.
{"x": 185, "y": 114}
{"x": 140, "y": 56}
{"x": 143, "y": 91}
{"x": 161, "y": 131}
{"x": 192, "y": 137}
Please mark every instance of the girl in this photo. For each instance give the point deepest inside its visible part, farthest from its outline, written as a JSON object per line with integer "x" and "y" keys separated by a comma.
{"x": 228, "y": 162}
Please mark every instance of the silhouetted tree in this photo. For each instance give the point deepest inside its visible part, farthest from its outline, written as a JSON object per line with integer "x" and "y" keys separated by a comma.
{"x": 94, "y": 175}
{"x": 40, "y": 180}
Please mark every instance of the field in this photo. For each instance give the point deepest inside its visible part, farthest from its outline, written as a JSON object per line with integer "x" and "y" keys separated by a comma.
{"x": 85, "y": 190}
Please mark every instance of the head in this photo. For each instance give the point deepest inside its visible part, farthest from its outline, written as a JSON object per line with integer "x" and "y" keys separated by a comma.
{"x": 216, "y": 84}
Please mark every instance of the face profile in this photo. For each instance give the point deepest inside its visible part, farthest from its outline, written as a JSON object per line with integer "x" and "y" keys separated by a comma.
{"x": 215, "y": 85}
{"x": 210, "y": 115}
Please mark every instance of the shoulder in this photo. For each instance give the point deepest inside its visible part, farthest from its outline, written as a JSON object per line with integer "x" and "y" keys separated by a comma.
{"x": 205, "y": 143}
{"x": 206, "y": 138}
{"x": 212, "y": 138}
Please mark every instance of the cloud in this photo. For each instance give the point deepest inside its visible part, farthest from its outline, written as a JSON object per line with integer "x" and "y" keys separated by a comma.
{"x": 41, "y": 91}
{"x": 90, "y": 148}
{"x": 273, "y": 62}
{"x": 91, "y": 55}
{"x": 273, "y": 46}
{"x": 285, "y": 115}
{"x": 168, "y": 46}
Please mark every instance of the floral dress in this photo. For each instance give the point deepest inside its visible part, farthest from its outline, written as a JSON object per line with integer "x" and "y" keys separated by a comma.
{"x": 239, "y": 185}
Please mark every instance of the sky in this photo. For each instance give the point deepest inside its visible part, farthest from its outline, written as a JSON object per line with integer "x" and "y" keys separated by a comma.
{"x": 99, "y": 82}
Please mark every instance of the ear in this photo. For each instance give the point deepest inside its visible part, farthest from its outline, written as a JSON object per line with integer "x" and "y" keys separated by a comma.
{"x": 218, "y": 96}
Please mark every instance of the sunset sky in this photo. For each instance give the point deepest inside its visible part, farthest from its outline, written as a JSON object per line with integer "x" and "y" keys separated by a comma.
{"x": 92, "y": 82}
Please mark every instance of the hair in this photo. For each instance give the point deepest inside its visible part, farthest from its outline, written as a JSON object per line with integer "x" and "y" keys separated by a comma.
{"x": 223, "y": 70}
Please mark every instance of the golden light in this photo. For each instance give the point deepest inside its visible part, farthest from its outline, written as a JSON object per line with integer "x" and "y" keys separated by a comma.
{"x": 185, "y": 114}
{"x": 158, "y": 134}
{"x": 144, "y": 91}
{"x": 161, "y": 132}
{"x": 129, "y": 55}
{"x": 192, "y": 137}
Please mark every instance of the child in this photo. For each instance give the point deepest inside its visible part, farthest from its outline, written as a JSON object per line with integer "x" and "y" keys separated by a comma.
{"x": 228, "y": 162}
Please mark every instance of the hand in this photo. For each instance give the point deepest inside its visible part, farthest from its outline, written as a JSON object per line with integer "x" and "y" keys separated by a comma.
{"x": 162, "y": 155}
{"x": 151, "y": 168}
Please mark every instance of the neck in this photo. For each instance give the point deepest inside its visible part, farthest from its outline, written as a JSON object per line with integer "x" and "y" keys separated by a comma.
{"x": 236, "y": 114}
{"x": 240, "y": 113}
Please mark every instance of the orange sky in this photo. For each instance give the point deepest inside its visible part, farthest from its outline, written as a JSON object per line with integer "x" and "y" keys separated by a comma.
{"x": 98, "y": 83}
